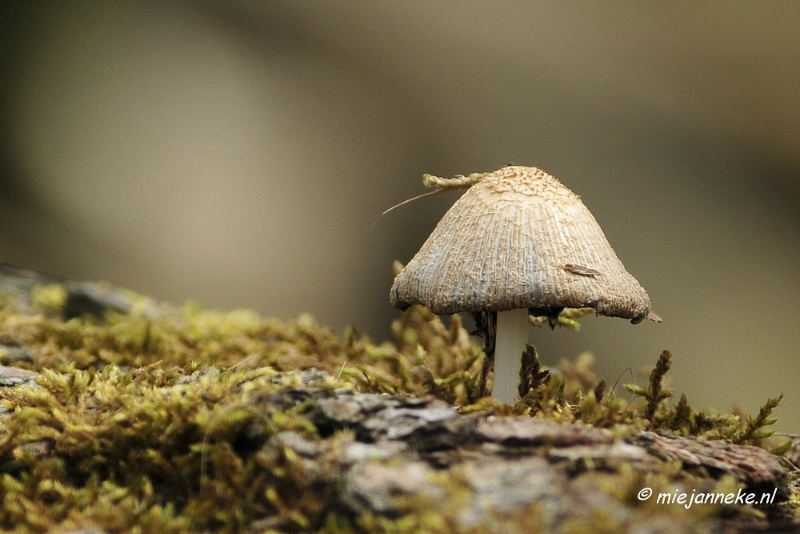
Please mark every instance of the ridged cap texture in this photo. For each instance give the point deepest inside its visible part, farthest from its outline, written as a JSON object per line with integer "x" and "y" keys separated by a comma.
{"x": 519, "y": 238}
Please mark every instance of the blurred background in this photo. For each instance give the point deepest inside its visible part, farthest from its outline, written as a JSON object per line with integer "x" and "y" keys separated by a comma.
{"x": 237, "y": 153}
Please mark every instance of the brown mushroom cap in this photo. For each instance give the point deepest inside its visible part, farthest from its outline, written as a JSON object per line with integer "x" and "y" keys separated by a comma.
{"x": 519, "y": 239}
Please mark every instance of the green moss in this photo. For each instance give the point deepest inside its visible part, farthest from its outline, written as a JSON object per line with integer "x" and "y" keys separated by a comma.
{"x": 49, "y": 297}
{"x": 167, "y": 422}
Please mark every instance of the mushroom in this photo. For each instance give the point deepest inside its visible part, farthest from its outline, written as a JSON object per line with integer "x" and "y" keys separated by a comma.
{"x": 518, "y": 242}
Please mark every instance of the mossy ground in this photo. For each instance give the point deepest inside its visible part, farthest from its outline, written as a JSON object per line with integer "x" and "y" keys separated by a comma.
{"x": 156, "y": 422}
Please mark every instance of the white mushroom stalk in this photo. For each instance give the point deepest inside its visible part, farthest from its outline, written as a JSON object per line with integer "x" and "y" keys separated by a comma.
{"x": 512, "y": 337}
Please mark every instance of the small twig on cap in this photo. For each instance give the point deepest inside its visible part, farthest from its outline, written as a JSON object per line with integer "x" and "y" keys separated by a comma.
{"x": 441, "y": 184}
{"x": 459, "y": 182}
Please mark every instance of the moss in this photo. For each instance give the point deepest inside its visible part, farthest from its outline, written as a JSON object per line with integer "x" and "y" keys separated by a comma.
{"x": 164, "y": 420}
{"x": 49, "y": 297}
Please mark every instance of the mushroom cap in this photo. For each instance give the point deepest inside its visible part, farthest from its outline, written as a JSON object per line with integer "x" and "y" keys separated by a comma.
{"x": 519, "y": 238}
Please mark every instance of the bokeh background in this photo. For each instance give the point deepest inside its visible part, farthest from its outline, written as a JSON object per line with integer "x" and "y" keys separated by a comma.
{"x": 239, "y": 153}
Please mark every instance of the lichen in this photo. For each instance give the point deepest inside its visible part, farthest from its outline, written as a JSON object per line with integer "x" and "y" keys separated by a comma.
{"x": 194, "y": 420}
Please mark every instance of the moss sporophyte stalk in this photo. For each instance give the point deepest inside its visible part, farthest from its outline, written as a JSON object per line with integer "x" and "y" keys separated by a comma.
{"x": 138, "y": 416}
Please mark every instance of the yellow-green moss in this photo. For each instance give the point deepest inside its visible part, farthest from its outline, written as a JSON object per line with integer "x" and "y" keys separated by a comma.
{"x": 155, "y": 422}
{"x": 49, "y": 297}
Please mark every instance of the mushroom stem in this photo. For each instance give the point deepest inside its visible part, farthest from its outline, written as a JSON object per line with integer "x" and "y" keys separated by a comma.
{"x": 512, "y": 337}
